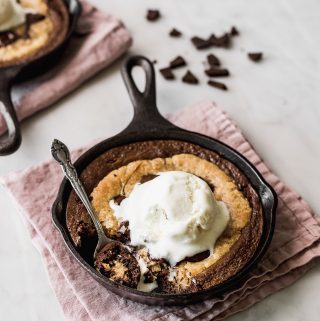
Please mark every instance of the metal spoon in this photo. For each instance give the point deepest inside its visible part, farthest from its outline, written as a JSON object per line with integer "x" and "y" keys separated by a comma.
{"x": 105, "y": 245}
{"x": 61, "y": 154}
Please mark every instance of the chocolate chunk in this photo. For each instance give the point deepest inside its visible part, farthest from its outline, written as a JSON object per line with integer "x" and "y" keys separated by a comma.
{"x": 8, "y": 37}
{"x": 118, "y": 199}
{"x": 217, "y": 72}
{"x": 123, "y": 233}
{"x": 167, "y": 73}
{"x": 34, "y": 17}
{"x": 255, "y": 56}
{"x": 201, "y": 43}
{"x": 177, "y": 62}
{"x": 222, "y": 41}
{"x": 175, "y": 33}
{"x": 198, "y": 257}
{"x": 116, "y": 263}
{"x": 234, "y": 31}
{"x": 190, "y": 78}
{"x": 217, "y": 84}
{"x": 30, "y": 19}
{"x": 147, "y": 178}
{"x": 154, "y": 62}
{"x": 153, "y": 15}
{"x": 213, "y": 60}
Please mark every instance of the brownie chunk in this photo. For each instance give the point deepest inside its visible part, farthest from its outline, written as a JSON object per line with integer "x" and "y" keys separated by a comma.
{"x": 116, "y": 263}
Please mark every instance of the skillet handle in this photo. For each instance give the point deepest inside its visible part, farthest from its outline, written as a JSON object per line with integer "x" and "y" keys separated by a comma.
{"x": 10, "y": 142}
{"x": 146, "y": 114}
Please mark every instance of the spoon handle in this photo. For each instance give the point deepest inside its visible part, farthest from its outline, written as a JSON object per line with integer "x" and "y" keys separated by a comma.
{"x": 61, "y": 154}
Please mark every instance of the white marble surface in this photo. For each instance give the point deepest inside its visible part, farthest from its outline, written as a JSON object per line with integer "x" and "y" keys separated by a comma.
{"x": 276, "y": 103}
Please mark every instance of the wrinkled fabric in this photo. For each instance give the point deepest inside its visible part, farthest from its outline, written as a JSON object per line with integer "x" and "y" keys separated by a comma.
{"x": 293, "y": 249}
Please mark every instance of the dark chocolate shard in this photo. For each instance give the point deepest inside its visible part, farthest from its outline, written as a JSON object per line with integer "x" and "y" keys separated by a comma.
{"x": 234, "y": 31}
{"x": 198, "y": 257}
{"x": 147, "y": 178}
{"x": 175, "y": 33}
{"x": 217, "y": 72}
{"x": 190, "y": 78}
{"x": 118, "y": 199}
{"x": 34, "y": 17}
{"x": 222, "y": 41}
{"x": 255, "y": 56}
{"x": 153, "y": 15}
{"x": 167, "y": 73}
{"x": 213, "y": 60}
{"x": 217, "y": 84}
{"x": 201, "y": 43}
{"x": 30, "y": 19}
{"x": 177, "y": 62}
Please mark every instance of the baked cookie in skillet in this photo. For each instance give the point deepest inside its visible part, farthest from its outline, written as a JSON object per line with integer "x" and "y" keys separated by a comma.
{"x": 112, "y": 177}
{"x": 30, "y": 29}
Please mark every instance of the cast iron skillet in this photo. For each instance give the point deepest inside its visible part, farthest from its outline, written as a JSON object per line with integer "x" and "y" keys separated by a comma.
{"x": 27, "y": 70}
{"x": 148, "y": 124}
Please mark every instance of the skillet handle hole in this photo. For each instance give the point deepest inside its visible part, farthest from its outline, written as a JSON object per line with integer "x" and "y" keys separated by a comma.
{"x": 139, "y": 78}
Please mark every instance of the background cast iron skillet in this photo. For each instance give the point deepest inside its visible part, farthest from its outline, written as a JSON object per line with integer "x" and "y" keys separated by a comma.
{"x": 27, "y": 70}
{"x": 148, "y": 124}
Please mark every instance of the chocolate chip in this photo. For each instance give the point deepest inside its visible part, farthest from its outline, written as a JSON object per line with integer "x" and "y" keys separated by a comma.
{"x": 147, "y": 178}
{"x": 118, "y": 199}
{"x": 175, "y": 33}
{"x": 213, "y": 60}
{"x": 154, "y": 62}
{"x": 222, "y": 41}
{"x": 167, "y": 73}
{"x": 8, "y": 37}
{"x": 153, "y": 15}
{"x": 255, "y": 56}
{"x": 177, "y": 62}
{"x": 217, "y": 84}
{"x": 190, "y": 78}
{"x": 201, "y": 43}
{"x": 217, "y": 72}
{"x": 234, "y": 31}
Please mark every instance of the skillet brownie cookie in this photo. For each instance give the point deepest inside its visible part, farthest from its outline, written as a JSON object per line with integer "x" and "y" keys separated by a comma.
{"x": 30, "y": 29}
{"x": 189, "y": 217}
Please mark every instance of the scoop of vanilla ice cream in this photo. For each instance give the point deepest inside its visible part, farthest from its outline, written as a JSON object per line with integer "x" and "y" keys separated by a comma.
{"x": 174, "y": 215}
{"x": 12, "y": 14}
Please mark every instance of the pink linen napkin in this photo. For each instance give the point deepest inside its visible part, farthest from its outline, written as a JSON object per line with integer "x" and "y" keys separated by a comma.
{"x": 99, "y": 40}
{"x": 292, "y": 252}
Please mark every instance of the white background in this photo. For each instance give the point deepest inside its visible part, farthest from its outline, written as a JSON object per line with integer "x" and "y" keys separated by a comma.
{"x": 275, "y": 102}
